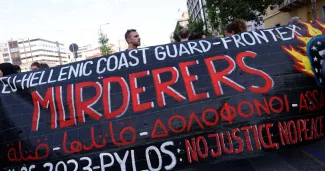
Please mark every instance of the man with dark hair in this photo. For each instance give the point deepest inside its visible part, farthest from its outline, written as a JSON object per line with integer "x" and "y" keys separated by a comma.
{"x": 35, "y": 66}
{"x": 17, "y": 68}
{"x": 132, "y": 38}
{"x": 44, "y": 66}
{"x": 183, "y": 34}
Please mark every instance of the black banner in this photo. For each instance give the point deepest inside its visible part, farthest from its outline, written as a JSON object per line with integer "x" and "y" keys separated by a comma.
{"x": 168, "y": 107}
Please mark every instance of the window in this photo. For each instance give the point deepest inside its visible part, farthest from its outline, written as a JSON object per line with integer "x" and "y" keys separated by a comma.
{"x": 5, "y": 54}
{"x": 7, "y": 60}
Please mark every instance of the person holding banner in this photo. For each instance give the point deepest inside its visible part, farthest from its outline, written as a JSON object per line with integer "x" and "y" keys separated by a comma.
{"x": 236, "y": 27}
{"x": 184, "y": 35}
{"x": 133, "y": 39}
{"x": 7, "y": 69}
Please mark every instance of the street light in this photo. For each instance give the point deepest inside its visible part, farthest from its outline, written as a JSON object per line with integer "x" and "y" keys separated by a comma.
{"x": 100, "y": 26}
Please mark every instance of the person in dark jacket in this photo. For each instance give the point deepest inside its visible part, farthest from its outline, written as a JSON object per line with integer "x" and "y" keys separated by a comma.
{"x": 7, "y": 69}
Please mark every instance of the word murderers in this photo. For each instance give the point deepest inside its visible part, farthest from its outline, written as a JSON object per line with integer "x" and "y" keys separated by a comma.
{"x": 78, "y": 106}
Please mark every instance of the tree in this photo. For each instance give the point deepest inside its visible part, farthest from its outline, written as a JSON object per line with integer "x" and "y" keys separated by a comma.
{"x": 103, "y": 42}
{"x": 196, "y": 26}
{"x": 178, "y": 28}
{"x": 222, "y": 12}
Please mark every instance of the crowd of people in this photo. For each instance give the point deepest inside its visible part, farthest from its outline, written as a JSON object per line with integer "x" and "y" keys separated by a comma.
{"x": 134, "y": 41}
{"x": 8, "y": 68}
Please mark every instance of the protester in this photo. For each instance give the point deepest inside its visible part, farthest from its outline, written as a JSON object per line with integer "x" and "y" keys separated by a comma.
{"x": 195, "y": 36}
{"x": 294, "y": 21}
{"x": 133, "y": 39}
{"x": 35, "y": 66}
{"x": 44, "y": 66}
{"x": 184, "y": 34}
{"x": 7, "y": 69}
{"x": 17, "y": 67}
{"x": 236, "y": 27}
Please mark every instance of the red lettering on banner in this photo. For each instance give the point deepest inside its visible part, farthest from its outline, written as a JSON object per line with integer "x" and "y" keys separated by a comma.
{"x": 220, "y": 77}
{"x": 313, "y": 131}
{"x": 269, "y": 136}
{"x": 228, "y": 113}
{"x": 247, "y": 137}
{"x": 191, "y": 150}
{"x": 208, "y": 123}
{"x": 47, "y": 102}
{"x": 217, "y": 146}
{"x": 183, "y": 121}
{"x": 291, "y": 132}
{"x": 257, "y": 140}
{"x": 122, "y": 142}
{"x": 284, "y": 135}
{"x": 321, "y": 100}
{"x": 162, "y": 126}
{"x": 279, "y": 100}
{"x": 201, "y": 140}
{"x": 165, "y": 87}
{"x": 261, "y": 137}
{"x": 136, "y": 91}
{"x": 84, "y": 106}
{"x": 321, "y": 126}
{"x": 309, "y": 97}
{"x": 223, "y": 143}
{"x": 238, "y": 139}
{"x": 307, "y": 130}
{"x": 268, "y": 80}
{"x": 301, "y": 127}
{"x": 303, "y": 103}
{"x": 264, "y": 107}
{"x": 107, "y": 97}
{"x": 58, "y": 96}
{"x": 194, "y": 117}
{"x": 241, "y": 113}
{"x": 188, "y": 81}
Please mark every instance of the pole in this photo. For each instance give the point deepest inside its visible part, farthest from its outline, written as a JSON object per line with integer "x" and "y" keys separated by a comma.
{"x": 59, "y": 53}
{"x": 205, "y": 18}
{"x": 30, "y": 49}
{"x": 314, "y": 9}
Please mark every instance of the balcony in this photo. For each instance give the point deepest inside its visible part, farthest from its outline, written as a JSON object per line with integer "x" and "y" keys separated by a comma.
{"x": 289, "y": 5}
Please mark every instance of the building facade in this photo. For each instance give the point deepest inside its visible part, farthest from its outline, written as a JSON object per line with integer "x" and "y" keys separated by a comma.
{"x": 81, "y": 52}
{"x": 5, "y": 54}
{"x": 196, "y": 9}
{"x": 183, "y": 20}
{"x": 43, "y": 51}
{"x": 281, "y": 14}
{"x": 14, "y": 52}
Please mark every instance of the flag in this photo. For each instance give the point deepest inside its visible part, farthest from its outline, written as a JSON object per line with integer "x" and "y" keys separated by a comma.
{"x": 316, "y": 54}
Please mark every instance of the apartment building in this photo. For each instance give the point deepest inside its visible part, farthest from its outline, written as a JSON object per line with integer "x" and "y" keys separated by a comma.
{"x": 41, "y": 50}
{"x": 5, "y": 54}
{"x": 196, "y": 9}
{"x": 281, "y": 14}
{"x": 14, "y": 52}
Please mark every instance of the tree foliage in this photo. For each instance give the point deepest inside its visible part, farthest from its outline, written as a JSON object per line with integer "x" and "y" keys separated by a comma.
{"x": 196, "y": 26}
{"x": 103, "y": 44}
{"x": 221, "y": 12}
{"x": 176, "y": 32}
